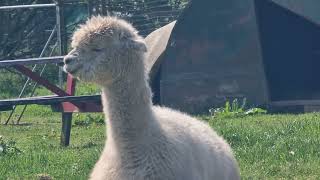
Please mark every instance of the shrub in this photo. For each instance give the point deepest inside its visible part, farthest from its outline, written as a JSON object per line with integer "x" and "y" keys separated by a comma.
{"x": 8, "y": 147}
{"x": 88, "y": 119}
{"x": 235, "y": 109}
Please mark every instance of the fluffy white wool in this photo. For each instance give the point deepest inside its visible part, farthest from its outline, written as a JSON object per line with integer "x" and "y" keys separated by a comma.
{"x": 144, "y": 142}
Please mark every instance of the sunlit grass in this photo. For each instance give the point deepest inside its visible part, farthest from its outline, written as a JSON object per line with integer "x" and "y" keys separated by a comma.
{"x": 266, "y": 146}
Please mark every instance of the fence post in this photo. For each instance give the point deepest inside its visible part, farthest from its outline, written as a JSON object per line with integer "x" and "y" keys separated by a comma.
{"x": 63, "y": 48}
{"x": 66, "y": 129}
{"x": 61, "y": 35}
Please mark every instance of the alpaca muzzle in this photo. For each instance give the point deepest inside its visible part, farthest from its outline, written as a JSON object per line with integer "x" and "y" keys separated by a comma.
{"x": 69, "y": 59}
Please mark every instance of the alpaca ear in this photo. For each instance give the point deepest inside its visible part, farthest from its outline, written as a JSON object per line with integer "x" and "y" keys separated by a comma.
{"x": 138, "y": 45}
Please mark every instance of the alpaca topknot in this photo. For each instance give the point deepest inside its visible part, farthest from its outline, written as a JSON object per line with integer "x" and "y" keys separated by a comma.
{"x": 99, "y": 26}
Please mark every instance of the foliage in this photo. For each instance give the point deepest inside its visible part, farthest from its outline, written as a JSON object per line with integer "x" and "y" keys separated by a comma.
{"x": 10, "y": 84}
{"x": 87, "y": 89}
{"x": 8, "y": 147}
{"x": 88, "y": 119}
{"x": 146, "y": 15}
{"x": 234, "y": 109}
{"x": 23, "y": 32}
{"x": 254, "y": 111}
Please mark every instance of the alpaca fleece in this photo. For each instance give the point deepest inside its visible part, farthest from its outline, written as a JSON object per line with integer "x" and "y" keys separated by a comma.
{"x": 144, "y": 142}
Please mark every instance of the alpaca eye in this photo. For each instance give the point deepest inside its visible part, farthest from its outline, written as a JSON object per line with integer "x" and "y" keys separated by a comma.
{"x": 96, "y": 49}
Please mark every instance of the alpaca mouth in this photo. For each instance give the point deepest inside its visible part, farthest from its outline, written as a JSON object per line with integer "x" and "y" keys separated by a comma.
{"x": 73, "y": 70}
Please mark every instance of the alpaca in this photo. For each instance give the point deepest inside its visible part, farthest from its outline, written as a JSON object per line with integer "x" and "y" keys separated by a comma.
{"x": 144, "y": 142}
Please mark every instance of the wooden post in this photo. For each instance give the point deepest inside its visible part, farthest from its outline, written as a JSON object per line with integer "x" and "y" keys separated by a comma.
{"x": 67, "y": 116}
{"x": 66, "y": 129}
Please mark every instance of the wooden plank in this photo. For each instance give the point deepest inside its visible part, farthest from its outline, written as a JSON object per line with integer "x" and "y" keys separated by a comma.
{"x": 6, "y": 108}
{"x": 296, "y": 103}
{"x": 310, "y": 108}
{"x": 86, "y": 107}
{"x": 48, "y": 100}
{"x": 44, "y": 60}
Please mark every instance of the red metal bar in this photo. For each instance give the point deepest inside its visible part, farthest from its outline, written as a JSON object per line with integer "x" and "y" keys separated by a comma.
{"x": 85, "y": 107}
{"x": 67, "y": 106}
{"x": 71, "y": 85}
{"x": 34, "y": 76}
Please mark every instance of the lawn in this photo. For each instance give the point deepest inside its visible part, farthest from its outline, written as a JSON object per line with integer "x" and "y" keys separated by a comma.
{"x": 266, "y": 146}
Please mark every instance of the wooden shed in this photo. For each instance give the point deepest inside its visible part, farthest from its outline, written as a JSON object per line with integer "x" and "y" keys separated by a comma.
{"x": 266, "y": 51}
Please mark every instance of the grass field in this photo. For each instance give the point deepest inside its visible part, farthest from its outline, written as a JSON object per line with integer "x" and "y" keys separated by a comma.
{"x": 266, "y": 146}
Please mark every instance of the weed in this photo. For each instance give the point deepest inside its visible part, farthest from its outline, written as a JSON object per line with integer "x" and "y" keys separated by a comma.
{"x": 235, "y": 109}
{"x": 88, "y": 119}
{"x": 8, "y": 147}
{"x": 44, "y": 177}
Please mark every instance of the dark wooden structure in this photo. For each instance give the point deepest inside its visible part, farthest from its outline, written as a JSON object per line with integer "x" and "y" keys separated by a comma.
{"x": 260, "y": 50}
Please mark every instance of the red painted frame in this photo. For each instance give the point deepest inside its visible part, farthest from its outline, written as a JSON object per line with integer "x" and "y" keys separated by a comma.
{"x": 70, "y": 90}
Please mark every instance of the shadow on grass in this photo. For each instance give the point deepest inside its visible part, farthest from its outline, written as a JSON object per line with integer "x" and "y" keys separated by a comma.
{"x": 20, "y": 124}
{"x": 87, "y": 145}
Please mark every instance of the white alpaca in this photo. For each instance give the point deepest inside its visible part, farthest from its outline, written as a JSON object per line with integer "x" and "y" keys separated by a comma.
{"x": 143, "y": 141}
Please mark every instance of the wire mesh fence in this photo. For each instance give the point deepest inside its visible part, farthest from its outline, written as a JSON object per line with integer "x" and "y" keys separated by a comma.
{"x": 24, "y": 32}
{"x": 145, "y": 15}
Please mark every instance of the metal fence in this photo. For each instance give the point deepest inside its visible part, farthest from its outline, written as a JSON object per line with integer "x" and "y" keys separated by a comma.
{"x": 145, "y": 15}
{"x": 56, "y": 31}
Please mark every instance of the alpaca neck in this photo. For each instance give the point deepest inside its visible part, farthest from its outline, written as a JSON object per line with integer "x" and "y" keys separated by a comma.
{"x": 127, "y": 106}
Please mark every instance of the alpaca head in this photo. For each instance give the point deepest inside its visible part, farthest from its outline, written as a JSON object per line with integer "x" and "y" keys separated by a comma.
{"x": 104, "y": 49}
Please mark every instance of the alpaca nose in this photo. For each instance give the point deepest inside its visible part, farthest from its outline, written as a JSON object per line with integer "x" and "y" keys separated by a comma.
{"x": 60, "y": 63}
{"x": 68, "y": 59}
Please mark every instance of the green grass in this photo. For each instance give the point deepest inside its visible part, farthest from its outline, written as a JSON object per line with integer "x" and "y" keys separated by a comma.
{"x": 274, "y": 146}
{"x": 38, "y": 138}
{"x": 266, "y": 146}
